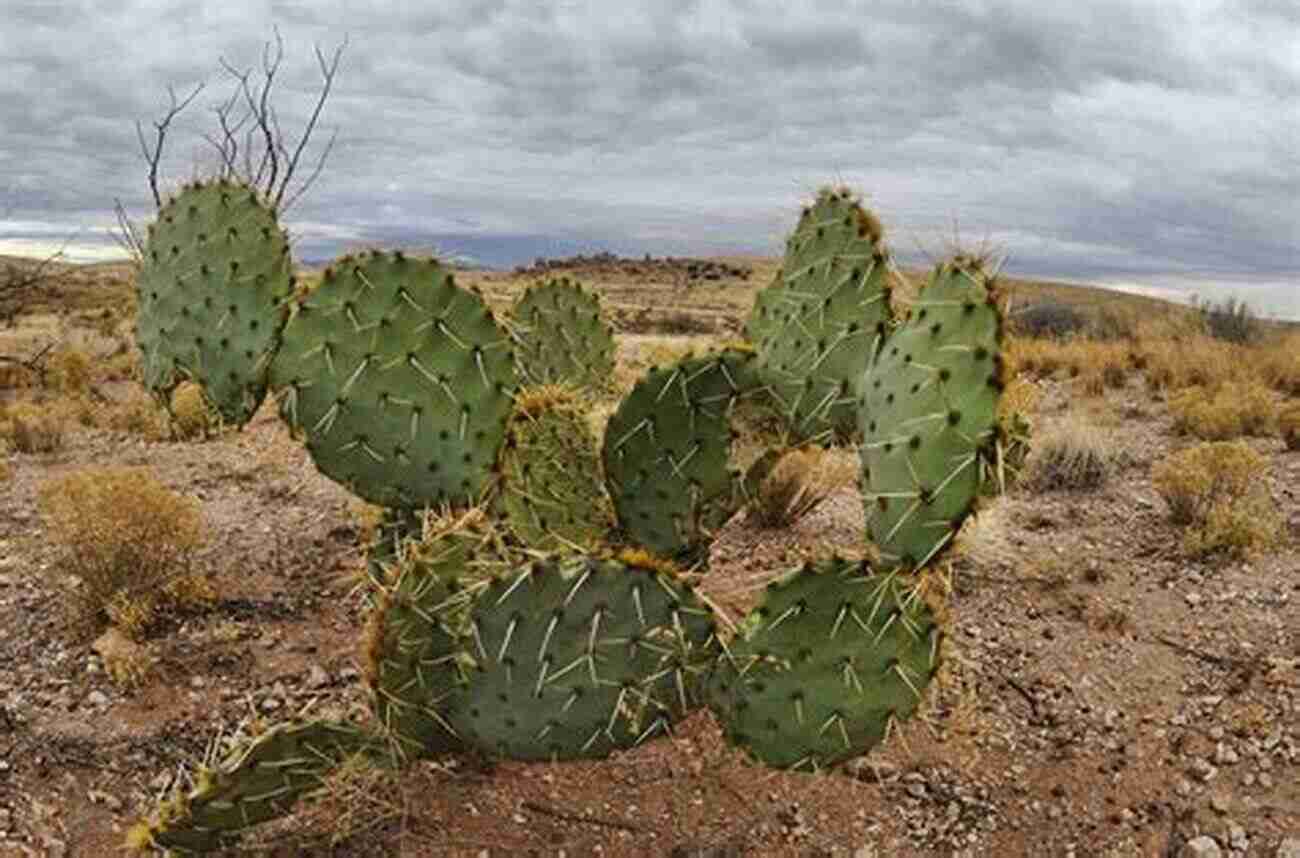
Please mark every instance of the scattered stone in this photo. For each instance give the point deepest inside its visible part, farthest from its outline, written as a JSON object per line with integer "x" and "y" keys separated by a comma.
{"x": 1204, "y": 846}
{"x": 1289, "y": 848}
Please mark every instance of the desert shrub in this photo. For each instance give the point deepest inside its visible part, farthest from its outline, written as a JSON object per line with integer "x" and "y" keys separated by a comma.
{"x": 1193, "y": 360}
{"x": 1230, "y": 411}
{"x": 798, "y": 483}
{"x": 1216, "y": 491}
{"x": 126, "y": 662}
{"x": 192, "y": 415}
{"x": 1231, "y": 320}
{"x": 1113, "y": 323}
{"x": 129, "y": 543}
{"x": 1073, "y": 454}
{"x": 1047, "y": 320}
{"x": 34, "y": 428}
{"x": 137, "y": 414}
{"x": 1288, "y": 422}
{"x": 68, "y": 370}
{"x": 1278, "y": 363}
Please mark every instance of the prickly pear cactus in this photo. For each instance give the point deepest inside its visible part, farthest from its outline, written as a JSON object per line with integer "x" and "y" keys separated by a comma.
{"x": 550, "y": 494}
{"x": 929, "y": 415}
{"x": 412, "y": 647}
{"x": 818, "y": 324}
{"x": 400, "y": 380}
{"x": 562, "y": 337}
{"x": 215, "y": 274}
{"x": 258, "y": 780}
{"x": 822, "y": 668}
{"x": 578, "y": 657}
{"x": 666, "y": 452}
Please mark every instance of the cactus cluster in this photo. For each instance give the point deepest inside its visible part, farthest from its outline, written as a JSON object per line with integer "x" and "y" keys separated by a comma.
{"x": 545, "y": 614}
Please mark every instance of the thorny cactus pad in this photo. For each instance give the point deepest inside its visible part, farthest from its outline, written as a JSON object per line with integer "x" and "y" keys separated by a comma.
{"x": 258, "y": 780}
{"x": 562, "y": 337}
{"x": 215, "y": 272}
{"x": 667, "y": 448}
{"x": 400, "y": 380}
{"x": 929, "y": 415}
{"x": 827, "y": 662}
{"x": 817, "y": 325}
{"x": 578, "y": 657}
{"x": 550, "y": 494}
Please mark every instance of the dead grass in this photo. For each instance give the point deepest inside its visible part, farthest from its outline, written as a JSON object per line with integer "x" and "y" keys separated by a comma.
{"x": 1232, "y": 410}
{"x": 192, "y": 416}
{"x": 1216, "y": 491}
{"x": 799, "y": 482}
{"x": 1073, "y": 454}
{"x": 128, "y": 544}
{"x": 33, "y": 427}
{"x": 1288, "y": 422}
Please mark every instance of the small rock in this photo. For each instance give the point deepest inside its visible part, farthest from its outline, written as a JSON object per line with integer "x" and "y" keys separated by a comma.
{"x": 1289, "y": 848}
{"x": 1224, "y": 755}
{"x": 1202, "y": 847}
{"x": 1202, "y": 770}
{"x": 318, "y": 677}
{"x": 1237, "y": 838}
{"x": 97, "y": 698}
{"x": 1219, "y": 803}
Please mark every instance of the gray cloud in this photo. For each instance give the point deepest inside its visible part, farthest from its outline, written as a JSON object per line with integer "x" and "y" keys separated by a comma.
{"x": 1119, "y": 136}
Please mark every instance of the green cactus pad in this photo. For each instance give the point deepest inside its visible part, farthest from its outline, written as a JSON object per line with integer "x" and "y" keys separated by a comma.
{"x": 578, "y": 657}
{"x": 929, "y": 416}
{"x": 823, "y": 666}
{"x": 397, "y": 527}
{"x": 550, "y": 494}
{"x": 412, "y": 648}
{"x": 258, "y": 780}
{"x": 215, "y": 273}
{"x": 816, "y": 328}
{"x": 562, "y": 337}
{"x": 400, "y": 380}
{"x": 666, "y": 452}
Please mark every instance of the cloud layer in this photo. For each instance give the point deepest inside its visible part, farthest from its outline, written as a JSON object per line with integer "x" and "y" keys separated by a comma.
{"x": 1117, "y": 137}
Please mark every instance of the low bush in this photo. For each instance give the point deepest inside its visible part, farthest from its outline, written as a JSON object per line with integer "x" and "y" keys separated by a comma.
{"x": 1230, "y": 319}
{"x": 1048, "y": 320}
{"x": 33, "y": 427}
{"x": 128, "y": 542}
{"x": 1232, "y": 410}
{"x": 1288, "y": 422}
{"x": 1216, "y": 491}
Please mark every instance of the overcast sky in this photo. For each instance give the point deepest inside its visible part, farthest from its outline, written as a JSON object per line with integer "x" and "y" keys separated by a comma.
{"x": 1139, "y": 141}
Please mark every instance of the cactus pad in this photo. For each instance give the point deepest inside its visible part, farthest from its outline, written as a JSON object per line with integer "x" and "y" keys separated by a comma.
{"x": 216, "y": 270}
{"x": 816, "y": 327}
{"x": 550, "y": 494}
{"x": 581, "y": 656}
{"x": 257, "y": 781}
{"x": 929, "y": 415}
{"x": 400, "y": 379}
{"x": 667, "y": 447}
{"x": 824, "y": 665}
{"x": 561, "y": 336}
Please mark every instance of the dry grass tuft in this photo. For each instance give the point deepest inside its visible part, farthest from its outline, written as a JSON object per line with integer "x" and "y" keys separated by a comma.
{"x": 1216, "y": 491}
{"x": 1073, "y": 454}
{"x": 126, "y": 662}
{"x": 68, "y": 370}
{"x": 192, "y": 416}
{"x": 1288, "y": 423}
{"x": 137, "y": 414}
{"x": 799, "y": 482}
{"x": 129, "y": 543}
{"x": 34, "y": 428}
{"x": 1234, "y": 409}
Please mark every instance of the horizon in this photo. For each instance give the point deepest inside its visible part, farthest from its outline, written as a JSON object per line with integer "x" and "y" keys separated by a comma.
{"x": 1123, "y": 141}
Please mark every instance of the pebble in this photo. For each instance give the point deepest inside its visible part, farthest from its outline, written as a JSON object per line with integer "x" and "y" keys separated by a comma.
{"x": 1202, "y": 847}
{"x": 97, "y": 698}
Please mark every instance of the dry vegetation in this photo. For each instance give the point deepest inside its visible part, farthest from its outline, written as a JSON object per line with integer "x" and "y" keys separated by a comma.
{"x": 205, "y": 566}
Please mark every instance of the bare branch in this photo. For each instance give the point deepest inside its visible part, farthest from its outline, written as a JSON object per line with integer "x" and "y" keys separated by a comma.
{"x": 316, "y": 171}
{"x": 153, "y": 158}
{"x": 328, "y": 70}
{"x": 126, "y": 235}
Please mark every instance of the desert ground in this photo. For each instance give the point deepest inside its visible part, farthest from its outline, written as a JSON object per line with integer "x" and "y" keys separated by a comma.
{"x": 1120, "y": 682}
